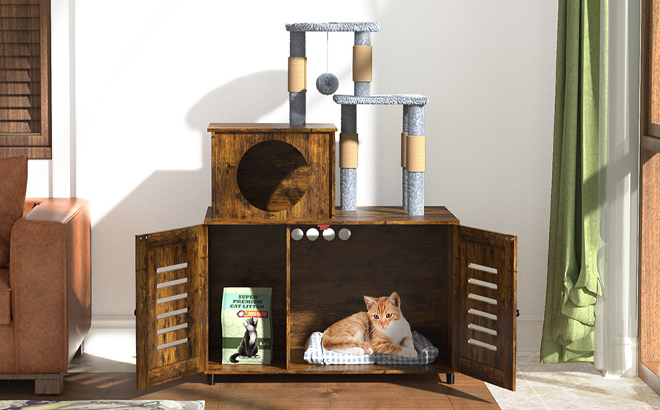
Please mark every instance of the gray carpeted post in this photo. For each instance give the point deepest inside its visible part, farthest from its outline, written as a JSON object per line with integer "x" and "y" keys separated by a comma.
{"x": 348, "y": 176}
{"x": 297, "y": 100}
{"x": 416, "y": 179}
{"x": 362, "y": 88}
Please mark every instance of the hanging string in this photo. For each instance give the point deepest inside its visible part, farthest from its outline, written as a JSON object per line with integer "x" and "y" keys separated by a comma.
{"x": 327, "y": 83}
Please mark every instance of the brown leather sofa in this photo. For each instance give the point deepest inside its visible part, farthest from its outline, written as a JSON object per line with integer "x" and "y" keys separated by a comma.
{"x": 45, "y": 292}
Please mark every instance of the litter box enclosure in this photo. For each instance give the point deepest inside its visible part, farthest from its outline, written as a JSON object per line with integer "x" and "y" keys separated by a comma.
{"x": 273, "y": 171}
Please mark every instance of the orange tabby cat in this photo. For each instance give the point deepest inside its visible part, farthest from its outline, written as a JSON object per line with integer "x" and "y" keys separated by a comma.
{"x": 381, "y": 329}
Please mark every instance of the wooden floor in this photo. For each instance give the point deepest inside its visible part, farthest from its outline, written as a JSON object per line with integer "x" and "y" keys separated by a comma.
{"x": 281, "y": 392}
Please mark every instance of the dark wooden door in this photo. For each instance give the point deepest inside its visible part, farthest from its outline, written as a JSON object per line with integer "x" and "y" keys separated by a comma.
{"x": 485, "y": 294}
{"x": 172, "y": 308}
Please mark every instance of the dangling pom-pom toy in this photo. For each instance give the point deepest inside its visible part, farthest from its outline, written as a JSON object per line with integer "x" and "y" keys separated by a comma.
{"x": 327, "y": 83}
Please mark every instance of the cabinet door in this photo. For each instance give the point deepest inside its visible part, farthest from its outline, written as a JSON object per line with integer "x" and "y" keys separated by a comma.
{"x": 485, "y": 297}
{"x": 172, "y": 309}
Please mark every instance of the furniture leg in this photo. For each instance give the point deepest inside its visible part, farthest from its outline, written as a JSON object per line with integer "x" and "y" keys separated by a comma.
{"x": 450, "y": 378}
{"x": 49, "y": 383}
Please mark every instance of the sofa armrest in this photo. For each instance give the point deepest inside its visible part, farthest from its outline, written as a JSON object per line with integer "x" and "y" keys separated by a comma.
{"x": 50, "y": 277}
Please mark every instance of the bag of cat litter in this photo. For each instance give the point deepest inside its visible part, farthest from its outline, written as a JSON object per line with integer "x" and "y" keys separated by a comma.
{"x": 246, "y": 326}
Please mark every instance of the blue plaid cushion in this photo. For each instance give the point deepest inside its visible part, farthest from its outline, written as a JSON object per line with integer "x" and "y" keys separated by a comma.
{"x": 316, "y": 354}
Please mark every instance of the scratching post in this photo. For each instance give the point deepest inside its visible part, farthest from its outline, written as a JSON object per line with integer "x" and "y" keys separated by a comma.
{"x": 298, "y": 99}
{"x": 362, "y": 57}
{"x": 348, "y": 150}
{"x": 413, "y": 124}
{"x": 415, "y": 159}
{"x": 348, "y": 158}
{"x": 297, "y": 74}
{"x": 413, "y": 141}
{"x": 297, "y": 88}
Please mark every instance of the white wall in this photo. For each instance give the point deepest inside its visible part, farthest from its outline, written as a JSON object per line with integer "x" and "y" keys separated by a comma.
{"x": 137, "y": 82}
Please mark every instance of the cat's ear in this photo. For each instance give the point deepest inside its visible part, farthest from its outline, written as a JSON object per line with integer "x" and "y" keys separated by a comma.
{"x": 369, "y": 301}
{"x": 254, "y": 320}
{"x": 394, "y": 299}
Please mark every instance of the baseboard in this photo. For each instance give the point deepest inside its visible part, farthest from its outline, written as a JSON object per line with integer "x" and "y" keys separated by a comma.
{"x": 113, "y": 322}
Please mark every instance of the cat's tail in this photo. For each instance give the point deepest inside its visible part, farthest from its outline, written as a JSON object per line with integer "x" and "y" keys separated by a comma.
{"x": 233, "y": 358}
{"x": 333, "y": 343}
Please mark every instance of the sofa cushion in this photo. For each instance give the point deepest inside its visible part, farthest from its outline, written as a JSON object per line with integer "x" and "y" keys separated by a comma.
{"x": 13, "y": 184}
{"x": 5, "y": 297}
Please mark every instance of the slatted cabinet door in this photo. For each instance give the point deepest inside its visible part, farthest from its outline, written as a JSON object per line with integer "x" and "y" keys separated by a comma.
{"x": 485, "y": 299}
{"x": 172, "y": 308}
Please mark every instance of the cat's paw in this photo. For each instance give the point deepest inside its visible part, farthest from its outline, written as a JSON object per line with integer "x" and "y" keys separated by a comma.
{"x": 408, "y": 353}
{"x": 360, "y": 351}
{"x": 407, "y": 343}
{"x": 369, "y": 351}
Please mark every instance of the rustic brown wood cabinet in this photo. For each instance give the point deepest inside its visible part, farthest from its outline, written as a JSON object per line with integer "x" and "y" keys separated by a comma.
{"x": 457, "y": 285}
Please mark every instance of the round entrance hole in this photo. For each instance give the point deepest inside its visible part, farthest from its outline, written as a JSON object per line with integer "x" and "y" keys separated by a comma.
{"x": 273, "y": 176}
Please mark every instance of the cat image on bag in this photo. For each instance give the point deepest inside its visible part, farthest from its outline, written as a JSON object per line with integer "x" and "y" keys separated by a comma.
{"x": 382, "y": 328}
{"x": 249, "y": 347}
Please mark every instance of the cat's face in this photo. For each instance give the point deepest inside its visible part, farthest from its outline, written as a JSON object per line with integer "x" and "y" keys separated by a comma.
{"x": 383, "y": 311}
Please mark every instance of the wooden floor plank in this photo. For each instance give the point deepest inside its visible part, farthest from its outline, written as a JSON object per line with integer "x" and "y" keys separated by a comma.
{"x": 469, "y": 393}
{"x": 278, "y": 392}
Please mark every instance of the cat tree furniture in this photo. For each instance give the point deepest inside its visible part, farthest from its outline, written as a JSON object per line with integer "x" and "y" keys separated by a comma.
{"x": 272, "y": 185}
{"x": 413, "y": 140}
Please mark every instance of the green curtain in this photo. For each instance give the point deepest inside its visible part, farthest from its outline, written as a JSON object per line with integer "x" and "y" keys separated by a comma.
{"x": 572, "y": 282}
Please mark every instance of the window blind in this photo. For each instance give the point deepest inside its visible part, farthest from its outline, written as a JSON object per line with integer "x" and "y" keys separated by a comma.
{"x": 25, "y": 118}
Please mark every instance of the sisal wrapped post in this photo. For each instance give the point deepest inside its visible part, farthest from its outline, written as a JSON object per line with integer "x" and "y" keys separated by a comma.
{"x": 297, "y": 74}
{"x": 297, "y": 99}
{"x": 362, "y": 87}
{"x": 348, "y": 150}
{"x": 362, "y": 63}
{"x": 415, "y": 153}
{"x": 415, "y": 166}
{"x": 348, "y": 176}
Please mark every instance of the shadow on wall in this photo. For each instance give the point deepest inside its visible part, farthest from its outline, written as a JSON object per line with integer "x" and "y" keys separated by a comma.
{"x": 174, "y": 198}
{"x": 243, "y": 100}
{"x": 400, "y": 68}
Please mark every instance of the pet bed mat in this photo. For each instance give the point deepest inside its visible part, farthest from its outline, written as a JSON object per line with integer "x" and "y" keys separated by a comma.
{"x": 316, "y": 354}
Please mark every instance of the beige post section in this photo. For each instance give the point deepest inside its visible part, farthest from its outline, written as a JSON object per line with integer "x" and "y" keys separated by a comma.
{"x": 297, "y": 74}
{"x": 362, "y": 63}
{"x": 416, "y": 153}
{"x": 348, "y": 150}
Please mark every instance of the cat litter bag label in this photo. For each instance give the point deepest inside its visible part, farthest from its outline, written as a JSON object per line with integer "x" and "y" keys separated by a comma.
{"x": 246, "y": 326}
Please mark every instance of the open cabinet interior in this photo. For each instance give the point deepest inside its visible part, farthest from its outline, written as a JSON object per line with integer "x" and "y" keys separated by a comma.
{"x": 329, "y": 280}
{"x": 318, "y": 282}
{"x": 247, "y": 256}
